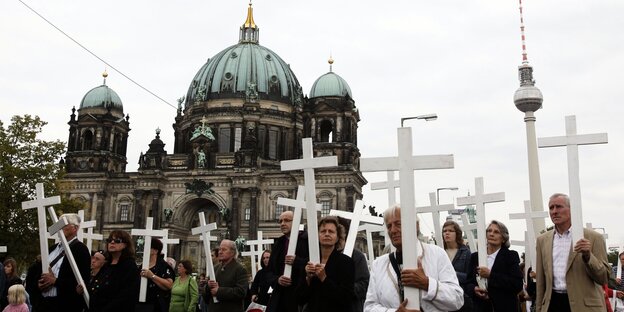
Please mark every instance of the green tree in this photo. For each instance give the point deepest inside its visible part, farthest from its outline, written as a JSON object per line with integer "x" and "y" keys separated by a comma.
{"x": 26, "y": 160}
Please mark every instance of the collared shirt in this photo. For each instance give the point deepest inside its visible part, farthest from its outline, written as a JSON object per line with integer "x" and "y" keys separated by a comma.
{"x": 562, "y": 243}
{"x": 52, "y": 292}
{"x": 491, "y": 258}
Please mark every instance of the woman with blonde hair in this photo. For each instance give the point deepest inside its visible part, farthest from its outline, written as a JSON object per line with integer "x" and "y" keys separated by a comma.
{"x": 17, "y": 299}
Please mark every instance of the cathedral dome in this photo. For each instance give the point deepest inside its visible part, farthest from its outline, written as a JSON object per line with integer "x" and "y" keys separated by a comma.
{"x": 330, "y": 84}
{"x": 101, "y": 96}
{"x": 244, "y": 67}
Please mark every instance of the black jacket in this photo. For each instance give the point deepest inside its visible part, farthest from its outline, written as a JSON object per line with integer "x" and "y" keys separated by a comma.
{"x": 283, "y": 298}
{"x": 119, "y": 288}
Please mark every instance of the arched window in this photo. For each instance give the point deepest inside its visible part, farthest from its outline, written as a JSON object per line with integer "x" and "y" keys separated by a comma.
{"x": 278, "y": 209}
{"x": 87, "y": 140}
{"x": 326, "y": 199}
{"x": 326, "y": 131}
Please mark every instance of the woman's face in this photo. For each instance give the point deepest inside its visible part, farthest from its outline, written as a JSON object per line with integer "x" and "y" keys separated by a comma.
{"x": 328, "y": 235}
{"x": 181, "y": 269}
{"x": 8, "y": 269}
{"x": 449, "y": 235}
{"x": 265, "y": 258}
{"x": 494, "y": 236}
{"x": 115, "y": 244}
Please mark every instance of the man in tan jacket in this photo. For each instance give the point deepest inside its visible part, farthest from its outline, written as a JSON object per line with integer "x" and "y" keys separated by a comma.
{"x": 570, "y": 279}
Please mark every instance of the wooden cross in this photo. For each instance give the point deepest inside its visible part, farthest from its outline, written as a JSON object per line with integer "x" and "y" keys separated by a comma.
{"x": 571, "y": 141}
{"x": 589, "y": 225}
{"x": 356, "y": 218}
{"x": 406, "y": 163}
{"x": 467, "y": 227}
{"x": 391, "y": 185}
{"x": 528, "y": 217}
{"x": 479, "y": 199}
{"x": 57, "y": 227}
{"x": 529, "y": 249}
{"x": 256, "y": 247}
{"x": 370, "y": 229}
{"x": 147, "y": 234}
{"x": 298, "y": 204}
{"x": 308, "y": 164}
{"x": 435, "y": 209}
{"x": 88, "y": 226}
{"x": 168, "y": 241}
{"x": 90, "y": 237}
{"x": 40, "y": 202}
{"x": 204, "y": 230}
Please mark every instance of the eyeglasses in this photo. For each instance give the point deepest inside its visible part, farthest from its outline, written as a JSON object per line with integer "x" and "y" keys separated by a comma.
{"x": 114, "y": 240}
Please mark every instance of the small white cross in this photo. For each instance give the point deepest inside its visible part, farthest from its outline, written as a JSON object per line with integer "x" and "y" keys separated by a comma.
{"x": 40, "y": 202}
{"x": 86, "y": 226}
{"x": 589, "y": 225}
{"x": 308, "y": 164}
{"x": 435, "y": 214}
{"x": 204, "y": 230}
{"x": 528, "y": 216}
{"x": 298, "y": 204}
{"x": 391, "y": 185}
{"x": 572, "y": 141}
{"x": 168, "y": 241}
{"x": 468, "y": 227}
{"x": 356, "y": 218}
{"x": 370, "y": 229}
{"x": 256, "y": 247}
{"x": 147, "y": 234}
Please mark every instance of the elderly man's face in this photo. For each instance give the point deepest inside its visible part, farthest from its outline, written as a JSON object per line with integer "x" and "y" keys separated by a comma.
{"x": 559, "y": 212}
{"x": 70, "y": 231}
{"x": 285, "y": 222}
{"x": 226, "y": 253}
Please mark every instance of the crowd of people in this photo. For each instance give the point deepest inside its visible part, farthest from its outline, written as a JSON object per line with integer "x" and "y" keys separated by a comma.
{"x": 568, "y": 276}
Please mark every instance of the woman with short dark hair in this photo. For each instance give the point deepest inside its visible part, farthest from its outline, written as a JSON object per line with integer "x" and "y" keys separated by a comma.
{"x": 184, "y": 293}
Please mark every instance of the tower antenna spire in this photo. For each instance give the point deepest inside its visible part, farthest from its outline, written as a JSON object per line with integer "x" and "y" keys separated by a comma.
{"x": 525, "y": 59}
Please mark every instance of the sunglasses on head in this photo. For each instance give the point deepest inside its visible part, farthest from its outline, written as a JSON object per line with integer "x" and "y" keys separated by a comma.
{"x": 114, "y": 240}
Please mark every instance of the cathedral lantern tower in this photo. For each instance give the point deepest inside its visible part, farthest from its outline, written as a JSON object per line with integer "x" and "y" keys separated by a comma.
{"x": 98, "y": 136}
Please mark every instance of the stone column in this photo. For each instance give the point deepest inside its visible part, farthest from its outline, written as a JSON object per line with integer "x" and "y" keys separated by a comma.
{"x": 350, "y": 200}
{"x": 101, "y": 196}
{"x": 139, "y": 216}
{"x": 235, "y": 224}
{"x": 156, "y": 213}
{"x": 253, "y": 213}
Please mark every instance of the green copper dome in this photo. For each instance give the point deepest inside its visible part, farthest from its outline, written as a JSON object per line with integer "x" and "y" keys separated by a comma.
{"x": 101, "y": 96}
{"x": 246, "y": 68}
{"x": 330, "y": 84}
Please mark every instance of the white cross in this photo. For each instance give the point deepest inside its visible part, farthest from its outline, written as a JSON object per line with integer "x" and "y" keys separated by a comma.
{"x": 298, "y": 204}
{"x": 370, "y": 229}
{"x": 435, "y": 214}
{"x": 589, "y": 225}
{"x": 57, "y": 227}
{"x": 391, "y": 185}
{"x": 467, "y": 227}
{"x": 256, "y": 247}
{"x": 356, "y": 218}
{"x": 528, "y": 217}
{"x": 147, "y": 234}
{"x": 204, "y": 230}
{"x": 572, "y": 140}
{"x": 90, "y": 237}
{"x": 308, "y": 164}
{"x": 406, "y": 163}
{"x": 40, "y": 202}
{"x": 168, "y": 241}
{"x": 479, "y": 199}
{"x": 529, "y": 250}
{"x": 88, "y": 226}
{"x": 3, "y": 249}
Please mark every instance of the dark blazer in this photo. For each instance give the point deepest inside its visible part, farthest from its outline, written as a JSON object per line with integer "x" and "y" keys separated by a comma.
{"x": 461, "y": 264}
{"x": 504, "y": 283}
{"x": 335, "y": 294}
{"x": 233, "y": 284}
{"x": 66, "y": 281}
{"x": 283, "y": 299}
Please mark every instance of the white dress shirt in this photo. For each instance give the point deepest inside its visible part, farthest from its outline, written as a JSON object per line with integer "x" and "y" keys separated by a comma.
{"x": 562, "y": 243}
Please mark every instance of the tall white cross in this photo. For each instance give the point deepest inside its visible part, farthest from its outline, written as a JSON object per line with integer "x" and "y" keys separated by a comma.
{"x": 528, "y": 217}
{"x": 391, "y": 185}
{"x": 406, "y": 163}
{"x": 298, "y": 204}
{"x": 204, "y": 230}
{"x": 147, "y": 234}
{"x": 256, "y": 248}
{"x": 40, "y": 202}
{"x": 590, "y": 226}
{"x": 168, "y": 241}
{"x": 90, "y": 237}
{"x": 86, "y": 226}
{"x": 308, "y": 164}
{"x": 435, "y": 213}
{"x": 57, "y": 227}
{"x": 529, "y": 251}
{"x": 571, "y": 141}
{"x": 356, "y": 218}
{"x": 479, "y": 199}
{"x": 370, "y": 229}
{"x": 468, "y": 227}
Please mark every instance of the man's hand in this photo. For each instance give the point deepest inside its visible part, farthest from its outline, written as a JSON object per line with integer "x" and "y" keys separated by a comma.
{"x": 254, "y": 298}
{"x": 483, "y": 272}
{"x": 290, "y": 259}
{"x": 284, "y": 281}
{"x": 415, "y": 278}
{"x": 481, "y": 293}
{"x": 402, "y": 307}
{"x": 214, "y": 287}
{"x": 619, "y": 294}
{"x": 584, "y": 247}
{"x": 618, "y": 280}
{"x": 46, "y": 281}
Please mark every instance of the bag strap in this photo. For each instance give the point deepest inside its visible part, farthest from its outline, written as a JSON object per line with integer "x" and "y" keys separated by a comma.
{"x": 395, "y": 266}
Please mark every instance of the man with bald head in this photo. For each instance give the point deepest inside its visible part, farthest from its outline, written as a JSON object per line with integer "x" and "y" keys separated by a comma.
{"x": 230, "y": 284}
{"x": 283, "y": 298}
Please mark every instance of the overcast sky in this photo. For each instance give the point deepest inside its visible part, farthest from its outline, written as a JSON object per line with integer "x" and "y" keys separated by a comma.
{"x": 458, "y": 59}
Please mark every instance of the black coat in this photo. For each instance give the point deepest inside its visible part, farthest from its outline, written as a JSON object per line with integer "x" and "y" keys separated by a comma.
{"x": 504, "y": 283}
{"x": 119, "y": 287}
{"x": 283, "y": 298}
{"x": 461, "y": 264}
{"x": 335, "y": 293}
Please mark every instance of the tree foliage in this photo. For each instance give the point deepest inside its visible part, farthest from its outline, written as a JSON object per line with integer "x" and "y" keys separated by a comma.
{"x": 26, "y": 160}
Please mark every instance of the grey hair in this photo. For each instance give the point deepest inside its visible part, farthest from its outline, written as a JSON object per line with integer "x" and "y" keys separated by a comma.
{"x": 232, "y": 245}
{"x": 72, "y": 218}
{"x": 396, "y": 209}
{"x": 504, "y": 232}
{"x": 566, "y": 198}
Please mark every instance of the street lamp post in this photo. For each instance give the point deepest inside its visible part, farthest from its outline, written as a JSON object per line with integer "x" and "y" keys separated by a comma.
{"x": 427, "y": 117}
{"x": 453, "y": 188}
